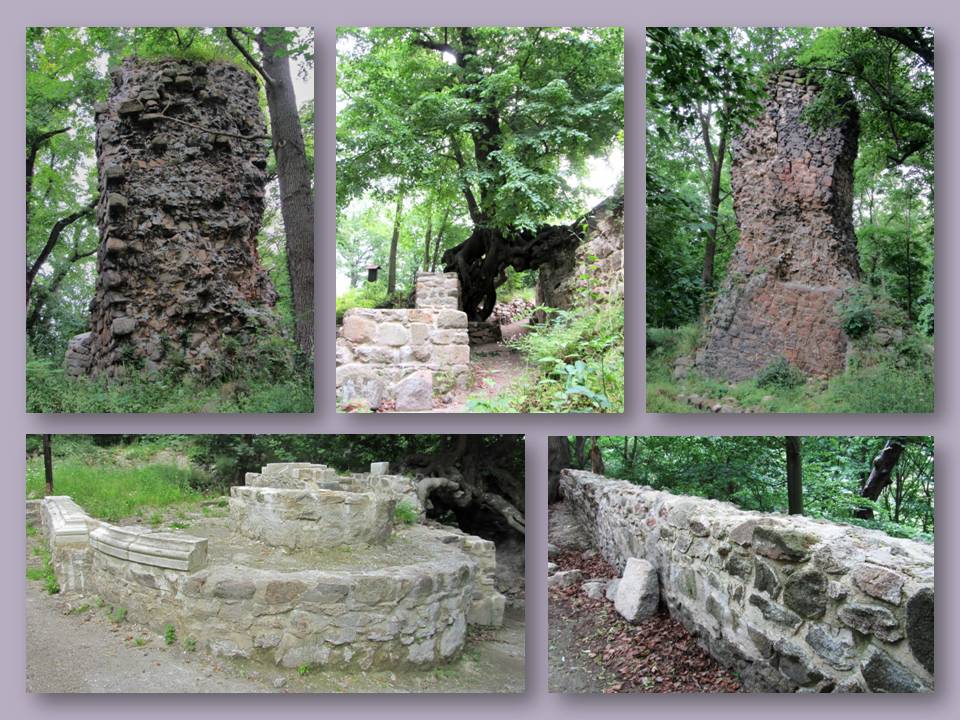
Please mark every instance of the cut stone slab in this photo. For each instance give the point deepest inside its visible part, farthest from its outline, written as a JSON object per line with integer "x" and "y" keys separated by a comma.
{"x": 638, "y": 592}
{"x": 174, "y": 551}
{"x": 65, "y": 522}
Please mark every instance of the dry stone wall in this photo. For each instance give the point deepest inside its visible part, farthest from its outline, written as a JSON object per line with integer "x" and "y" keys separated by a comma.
{"x": 561, "y": 282}
{"x": 181, "y": 158}
{"x": 796, "y": 259}
{"x": 790, "y": 603}
{"x": 403, "y": 356}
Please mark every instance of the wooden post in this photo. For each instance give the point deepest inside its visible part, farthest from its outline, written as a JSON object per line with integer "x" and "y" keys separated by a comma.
{"x": 48, "y": 464}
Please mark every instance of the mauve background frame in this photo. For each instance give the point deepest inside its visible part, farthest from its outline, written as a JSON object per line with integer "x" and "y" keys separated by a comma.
{"x": 535, "y": 703}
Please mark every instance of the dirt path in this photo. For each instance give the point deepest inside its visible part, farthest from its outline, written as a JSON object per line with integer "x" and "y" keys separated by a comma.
{"x": 495, "y": 368}
{"x": 73, "y": 646}
{"x": 592, "y": 649}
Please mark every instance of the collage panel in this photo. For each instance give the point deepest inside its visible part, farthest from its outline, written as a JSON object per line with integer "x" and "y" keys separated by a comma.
{"x": 169, "y": 237}
{"x": 741, "y": 564}
{"x": 480, "y": 213}
{"x": 790, "y": 219}
{"x": 275, "y": 563}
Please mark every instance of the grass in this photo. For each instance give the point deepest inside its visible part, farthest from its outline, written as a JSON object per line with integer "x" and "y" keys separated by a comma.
{"x": 576, "y": 365}
{"x": 406, "y": 513}
{"x": 879, "y": 380}
{"x": 112, "y": 492}
{"x": 44, "y": 572}
{"x": 49, "y": 390}
{"x": 190, "y": 644}
{"x": 140, "y": 641}
{"x": 118, "y": 614}
{"x": 169, "y": 634}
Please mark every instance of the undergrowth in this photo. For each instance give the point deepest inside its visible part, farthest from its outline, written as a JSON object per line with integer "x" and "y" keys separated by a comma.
{"x": 884, "y": 375}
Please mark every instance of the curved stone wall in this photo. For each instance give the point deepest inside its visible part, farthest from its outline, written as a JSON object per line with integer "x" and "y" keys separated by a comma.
{"x": 790, "y": 603}
{"x": 388, "y": 617}
{"x": 299, "y": 519}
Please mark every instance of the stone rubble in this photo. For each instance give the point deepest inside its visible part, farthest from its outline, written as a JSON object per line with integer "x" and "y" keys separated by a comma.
{"x": 404, "y": 356}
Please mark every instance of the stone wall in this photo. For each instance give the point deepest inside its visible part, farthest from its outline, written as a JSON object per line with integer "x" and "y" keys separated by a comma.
{"x": 403, "y": 356}
{"x": 181, "y": 158}
{"x": 796, "y": 258}
{"x": 338, "y": 600}
{"x": 311, "y": 519}
{"x": 560, "y": 283}
{"x": 790, "y": 603}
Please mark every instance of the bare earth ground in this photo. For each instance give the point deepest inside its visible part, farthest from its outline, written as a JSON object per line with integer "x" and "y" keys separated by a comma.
{"x": 73, "y": 646}
{"x": 495, "y": 369}
{"x": 592, "y": 649}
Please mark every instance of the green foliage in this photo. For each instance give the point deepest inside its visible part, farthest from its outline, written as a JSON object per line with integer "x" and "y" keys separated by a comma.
{"x": 111, "y": 486}
{"x": 576, "y": 365}
{"x": 750, "y": 471}
{"x": 406, "y": 513}
{"x": 780, "y": 374}
{"x": 169, "y": 634}
{"x": 118, "y": 614}
{"x": 302, "y": 670}
{"x": 705, "y": 81}
{"x": 190, "y": 644}
{"x": 44, "y": 573}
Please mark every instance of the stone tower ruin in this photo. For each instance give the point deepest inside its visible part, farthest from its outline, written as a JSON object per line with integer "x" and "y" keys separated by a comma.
{"x": 797, "y": 257}
{"x": 181, "y": 158}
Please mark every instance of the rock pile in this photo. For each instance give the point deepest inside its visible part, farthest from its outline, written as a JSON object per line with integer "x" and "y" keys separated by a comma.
{"x": 796, "y": 258}
{"x": 181, "y": 158}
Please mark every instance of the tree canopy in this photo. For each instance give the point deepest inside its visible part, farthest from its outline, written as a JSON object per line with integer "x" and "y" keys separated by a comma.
{"x": 752, "y": 472}
{"x": 483, "y": 132}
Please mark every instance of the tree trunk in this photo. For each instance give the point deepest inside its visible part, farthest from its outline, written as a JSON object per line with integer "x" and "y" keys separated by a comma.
{"x": 558, "y": 458}
{"x": 52, "y": 239}
{"x": 596, "y": 458}
{"x": 715, "y": 157}
{"x": 880, "y": 472}
{"x": 579, "y": 443}
{"x": 427, "y": 238}
{"x": 394, "y": 242}
{"x": 794, "y": 475}
{"x": 48, "y": 465}
{"x": 296, "y": 182}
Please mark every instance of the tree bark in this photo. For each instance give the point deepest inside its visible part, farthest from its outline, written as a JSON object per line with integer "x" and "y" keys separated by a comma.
{"x": 558, "y": 458}
{"x": 794, "y": 475}
{"x": 295, "y": 177}
{"x": 596, "y": 458}
{"x": 715, "y": 157}
{"x": 880, "y": 474}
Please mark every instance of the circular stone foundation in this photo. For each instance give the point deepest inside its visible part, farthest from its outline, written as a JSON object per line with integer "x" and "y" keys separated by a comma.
{"x": 316, "y": 518}
{"x": 401, "y": 603}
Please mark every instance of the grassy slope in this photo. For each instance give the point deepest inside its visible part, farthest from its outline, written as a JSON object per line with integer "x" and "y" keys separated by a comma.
{"x": 876, "y": 384}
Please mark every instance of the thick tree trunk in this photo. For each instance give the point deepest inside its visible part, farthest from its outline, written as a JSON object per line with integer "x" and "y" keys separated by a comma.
{"x": 558, "y": 458}
{"x": 880, "y": 474}
{"x": 394, "y": 243}
{"x": 794, "y": 475}
{"x": 482, "y": 259}
{"x": 596, "y": 458}
{"x": 466, "y": 477}
{"x": 715, "y": 157}
{"x": 295, "y": 176}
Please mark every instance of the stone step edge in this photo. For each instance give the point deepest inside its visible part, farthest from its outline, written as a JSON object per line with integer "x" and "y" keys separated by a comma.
{"x": 146, "y": 547}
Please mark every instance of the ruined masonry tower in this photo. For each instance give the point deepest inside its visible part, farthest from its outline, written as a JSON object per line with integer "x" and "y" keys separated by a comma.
{"x": 181, "y": 158}
{"x": 796, "y": 258}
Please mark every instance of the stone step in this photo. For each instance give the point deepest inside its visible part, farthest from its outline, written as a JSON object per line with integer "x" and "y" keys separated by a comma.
{"x": 174, "y": 551}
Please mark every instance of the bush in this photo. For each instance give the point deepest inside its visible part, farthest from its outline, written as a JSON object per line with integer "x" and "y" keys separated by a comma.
{"x": 780, "y": 374}
{"x": 406, "y": 513}
{"x": 857, "y": 320}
